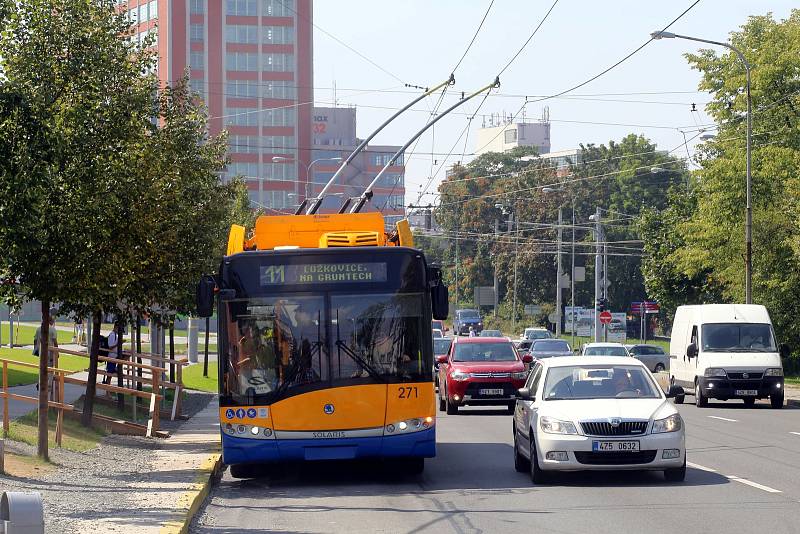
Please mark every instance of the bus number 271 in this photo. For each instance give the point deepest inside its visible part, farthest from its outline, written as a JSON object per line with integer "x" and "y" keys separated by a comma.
{"x": 409, "y": 392}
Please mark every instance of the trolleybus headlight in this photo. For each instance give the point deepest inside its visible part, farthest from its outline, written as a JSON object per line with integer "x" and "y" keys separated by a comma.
{"x": 268, "y": 432}
{"x": 241, "y": 429}
{"x": 255, "y": 430}
{"x": 229, "y": 428}
{"x": 402, "y": 425}
{"x": 427, "y": 422}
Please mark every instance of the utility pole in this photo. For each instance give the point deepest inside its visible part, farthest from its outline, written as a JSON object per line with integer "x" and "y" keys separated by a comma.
{"x": 598, "y": 267}
{"x": 558, "y": 277}
{"x": 572, "y": 276}
{"x": 605, "y": 282}
{"x": 516, "y": 261}
{"x": 458, "y": 229}
{"x": 496, "y": 257}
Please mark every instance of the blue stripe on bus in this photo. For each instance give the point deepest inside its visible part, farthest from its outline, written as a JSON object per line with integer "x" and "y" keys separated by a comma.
{"x": 237, "y": 450}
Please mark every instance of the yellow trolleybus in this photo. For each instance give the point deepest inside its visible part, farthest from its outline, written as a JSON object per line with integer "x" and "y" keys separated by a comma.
{"x": 325, "y": 347}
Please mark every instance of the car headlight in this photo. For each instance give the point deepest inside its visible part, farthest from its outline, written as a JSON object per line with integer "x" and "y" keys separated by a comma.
{"x": 551, "y": 425}
{"x": 520, "y": 376}
{"x": 459, "y": 376}
{"x": 715, "y": 371}
{"x": 673, "y": 423}
{"x": 774, "y": 371}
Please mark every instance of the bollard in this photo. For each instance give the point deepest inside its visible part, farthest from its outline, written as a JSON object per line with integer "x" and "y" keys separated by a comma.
{"x": 192, "y": 333}
{"x": 22, "y": 513}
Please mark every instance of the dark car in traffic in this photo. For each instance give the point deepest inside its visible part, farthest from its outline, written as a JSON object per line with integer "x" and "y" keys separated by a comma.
{"x": 464, "y": 319}
{"x": 480, "y": 371}
{"x": 549, "y": 348}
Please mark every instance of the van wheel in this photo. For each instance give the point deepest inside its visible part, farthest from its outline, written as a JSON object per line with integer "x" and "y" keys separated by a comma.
{"x": 776, "y": 401}
{"x": 679, "y": 398}
{"x": 699, "y": 400}
{"x": 749, "y": 401}
{"x": 520, "y": 462}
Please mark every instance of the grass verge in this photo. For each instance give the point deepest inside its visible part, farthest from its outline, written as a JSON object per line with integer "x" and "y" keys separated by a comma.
{"x": 74, "y": 438}
{"x": 193, "y": 377}
{"x": 19, "y": 375}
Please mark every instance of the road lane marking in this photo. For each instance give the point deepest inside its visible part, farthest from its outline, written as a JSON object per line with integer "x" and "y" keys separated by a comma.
{"x": 735, "y": 478}
{"x": 723, "y": 419}
{"x": 795, "y": 433}
{"x": 700, "y": 467}
{"x": 753, "y": 484}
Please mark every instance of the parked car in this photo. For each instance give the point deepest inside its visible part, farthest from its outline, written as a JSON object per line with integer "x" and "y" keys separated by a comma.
{"x": 480, "y": 371}
{"x": 604, "y": 349}
{"x": 598, "y": 413}
{"x": 652, "y": 356}
{"x": 549, "y": 348}
{"x": 727, "y": 351}
{"x": 439, "y": 325}
{"x": 466, "y": 318}
{"x": 491, "y": 333}
{"x": 536, "y": 333}
{"x": 441, "y": 347}
{"x": 436, "y": 333}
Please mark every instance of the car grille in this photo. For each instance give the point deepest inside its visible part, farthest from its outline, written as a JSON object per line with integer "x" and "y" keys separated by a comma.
{"x": 615, "y": 458}
{"x": 740, "y": 376}
{"x": 474, "y": 388}
{"x": 490, "y": 375}
{"x": 625, "y": 428}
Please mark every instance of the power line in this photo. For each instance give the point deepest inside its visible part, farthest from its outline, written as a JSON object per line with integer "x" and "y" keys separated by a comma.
{"x": 525, "y": 44}
{"x": 474, "y": 36}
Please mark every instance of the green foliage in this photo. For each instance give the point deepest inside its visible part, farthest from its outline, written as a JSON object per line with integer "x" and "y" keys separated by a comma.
{"x": 708, "y": 252}
{"x": 193, "y": 377}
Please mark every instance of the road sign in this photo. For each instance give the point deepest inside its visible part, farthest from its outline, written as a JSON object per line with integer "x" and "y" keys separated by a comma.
{"x": 605, "y": 317}
{"x": 646, "y": 307}
{"x": 533, "y": 309}
{"x": 553, "y": 317}
{"x": 484, "y": 296}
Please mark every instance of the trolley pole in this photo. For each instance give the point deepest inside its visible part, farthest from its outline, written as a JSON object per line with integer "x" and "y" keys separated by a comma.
{"x": 559, "y": 275}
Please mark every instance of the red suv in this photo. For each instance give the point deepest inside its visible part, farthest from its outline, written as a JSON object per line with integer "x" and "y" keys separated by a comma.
{"x": 480, "y": 371}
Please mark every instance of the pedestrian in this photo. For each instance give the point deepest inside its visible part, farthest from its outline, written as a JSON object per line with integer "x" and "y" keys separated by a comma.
{"x": 471, "y": 332}
{"x": 52, "y": 336}
{"x": 111, "y": 351}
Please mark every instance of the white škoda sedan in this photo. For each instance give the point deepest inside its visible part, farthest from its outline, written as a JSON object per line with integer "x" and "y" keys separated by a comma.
{"x": 596, "y": 413}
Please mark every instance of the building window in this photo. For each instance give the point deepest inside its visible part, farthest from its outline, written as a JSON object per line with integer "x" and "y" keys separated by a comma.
{"x": 511, "y": 136}
{"x": 197, "y": 60}
{"x": 391, "y": 180}
{"x": 241, "y": 34}
{"x": 197, "y": 7}
{"x": 279, "y": 62}
{"x": 382, "y": 159}
{"x": 278, "y": 199}
{"x": 242, "y": 117}
{"x": 246, "y": 61}
{"x": 244, "y": 144}
{"x": 249, "y": 170}
{"x": 241, "y": 7}
{"x": 279, "y": 117}
{"x": 277, "y": 35}
{"x": 280, "y": 172}
{"x": 278, "y": 143}
{"x": 198, "y": 85}
{"x": 278, "y": 8}
{"x": 242, "y": 88}
{"x": 153, "y": 9}
{"x": 197, "y": 33}
{"x": 280, "y": 90}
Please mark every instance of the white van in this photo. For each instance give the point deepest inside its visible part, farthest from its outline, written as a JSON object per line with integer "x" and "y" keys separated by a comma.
{"x": 726, "y": 351}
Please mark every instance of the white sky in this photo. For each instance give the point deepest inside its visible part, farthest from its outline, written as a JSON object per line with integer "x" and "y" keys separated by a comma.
{"x": 420, "y": 41}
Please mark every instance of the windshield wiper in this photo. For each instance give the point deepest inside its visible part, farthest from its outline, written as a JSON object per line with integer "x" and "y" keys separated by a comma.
{"x": 365, "y": 365}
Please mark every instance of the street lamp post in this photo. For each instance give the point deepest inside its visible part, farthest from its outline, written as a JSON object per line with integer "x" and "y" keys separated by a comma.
{"x": 572, "y": 261}
{"x": 748, "y": 225}
{"x": 283, "y": 159}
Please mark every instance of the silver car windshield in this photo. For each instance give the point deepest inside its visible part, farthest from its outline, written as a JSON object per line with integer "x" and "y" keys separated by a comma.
{"x": 605, "y": 351}
{"x": 599, "y": 382}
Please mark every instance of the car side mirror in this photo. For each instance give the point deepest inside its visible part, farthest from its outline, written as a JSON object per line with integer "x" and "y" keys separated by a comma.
{"x": 675, "y": 391}
{"x": 786, "y": 351}
{"x": 691, "y": 350}
{"x": 524, "y": 394}
{"x": 527, "y": 358}
{"x": 441, "y": 358}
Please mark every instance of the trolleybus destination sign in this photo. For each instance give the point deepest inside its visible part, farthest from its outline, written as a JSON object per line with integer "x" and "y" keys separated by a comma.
{"x": 323, "y": 273}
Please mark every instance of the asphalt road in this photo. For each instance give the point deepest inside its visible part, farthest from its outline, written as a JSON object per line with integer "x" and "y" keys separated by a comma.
{"x": 743, "y": 476}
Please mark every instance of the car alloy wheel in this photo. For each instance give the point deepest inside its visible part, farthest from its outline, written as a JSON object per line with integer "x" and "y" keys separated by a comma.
{"x": 521, "y": 463}
{"x": 537, "y": 475}
{"x": 659, "y": 368}
{"x": 676, "y": 474}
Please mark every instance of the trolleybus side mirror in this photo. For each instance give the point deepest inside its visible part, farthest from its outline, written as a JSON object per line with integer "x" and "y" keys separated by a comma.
{"x": 205, "y": 296}
{"x": 440, "y": 302}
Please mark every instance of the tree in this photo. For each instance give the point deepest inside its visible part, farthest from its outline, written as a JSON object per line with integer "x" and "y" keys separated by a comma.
{"x": 79, "y": 106}
{"x": 713, "y": 244}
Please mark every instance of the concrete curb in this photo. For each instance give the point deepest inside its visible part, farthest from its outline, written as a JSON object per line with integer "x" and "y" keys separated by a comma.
{"x": 189, "y": 503}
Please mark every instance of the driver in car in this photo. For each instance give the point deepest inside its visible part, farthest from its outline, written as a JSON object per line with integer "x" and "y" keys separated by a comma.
{"x": 621, "y": 381}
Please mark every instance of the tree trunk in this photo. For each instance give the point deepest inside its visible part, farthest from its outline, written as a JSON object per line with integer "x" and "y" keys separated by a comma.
{"x": 205, "y": 358}
{"x": 172, "y": 350}
{"x": 120, "y": 383}
{"x": 44, "y": 360}
{"x": 139, "y": 349}
{"x": 91, "y": 382}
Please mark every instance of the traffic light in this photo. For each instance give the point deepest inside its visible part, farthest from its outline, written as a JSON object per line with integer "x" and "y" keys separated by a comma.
{"x": 601, "y": 304}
